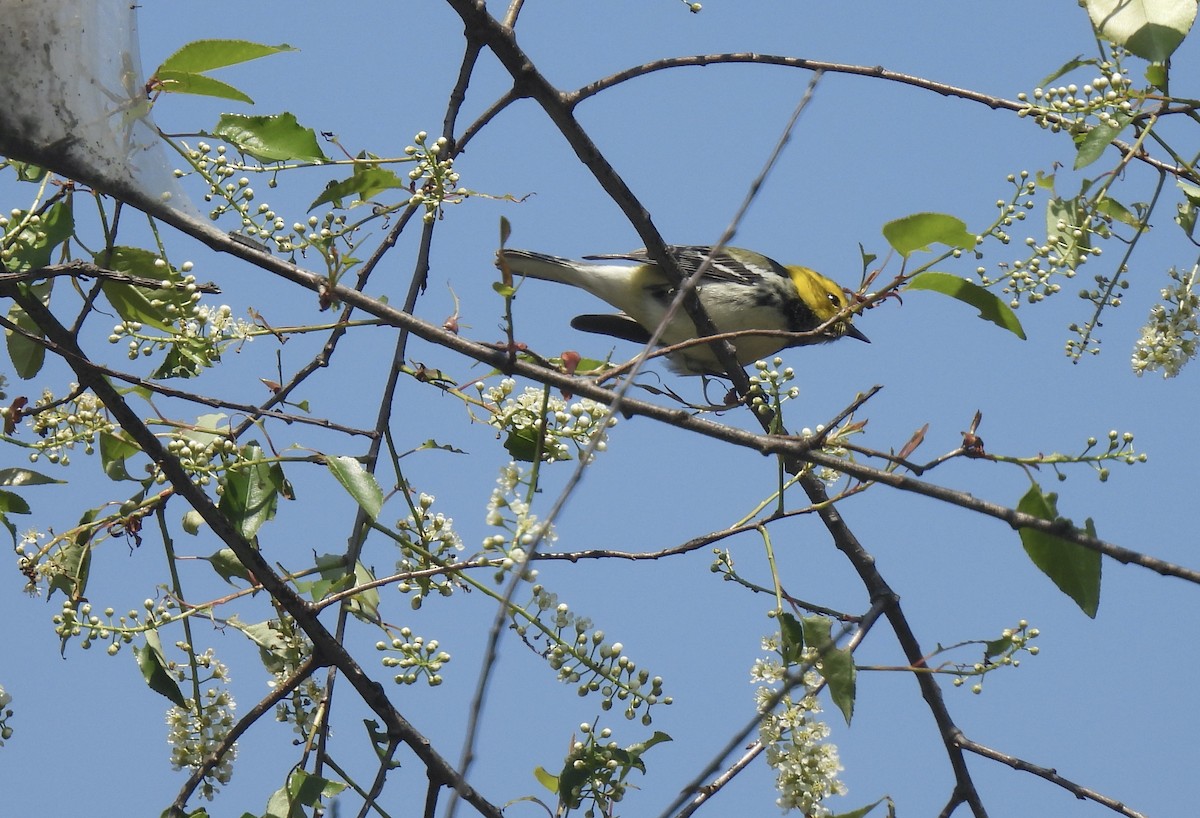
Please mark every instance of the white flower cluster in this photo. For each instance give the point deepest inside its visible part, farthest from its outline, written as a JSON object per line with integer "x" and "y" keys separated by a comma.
{"x": 509, "y": 511}
{"x": 805, "y": 767}
{"x": 433, "y": 530}
{"x": 196, "y": 732}
{"x": 1169, "y": 338}
{"x": 535, "y": 410}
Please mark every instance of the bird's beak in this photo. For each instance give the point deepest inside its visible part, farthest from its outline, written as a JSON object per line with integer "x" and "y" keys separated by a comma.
{"x": 853, "y": 332}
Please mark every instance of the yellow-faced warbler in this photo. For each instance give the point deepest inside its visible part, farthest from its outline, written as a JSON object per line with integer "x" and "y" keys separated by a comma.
{"x": 740, "y": 290}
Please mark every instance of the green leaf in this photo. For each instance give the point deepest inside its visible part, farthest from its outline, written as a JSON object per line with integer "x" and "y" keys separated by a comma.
{"x": 20, "y": 476}
{"x": 182, "y": 82}
{"x": 433, "y": 444}
{"x": 73, "y": 562}
{"x": 918, "y": 231}
{"x": 365, "y": 604}
{"x": 274, "y": 138}
{"x": 11, "y": 503}
{"x": 227, "y": 565}
{"x": 33, "y": 246}
{"x": 1073, "y": 568}
{"x": 114, "y": 451}
{"x": 1070, "y": 65}
{"x": 522, "y": 444}
{"x": 990, "y": 306}
{"x": 359, "y": 482}
{"x": 205, "y": 55}
{"x": 546, "y": 779}
{"x": 192, "y": 522}
{"x": 365, "y": 183}
{"x": 1189, "y": 208}
{"x": 1152, "y": 29}
{"x": 153, "y": 665}
{"x": 26, "y": 354}
{"x": 252, "y": 491}
{"x": 1118, "y": 212}
{"x": 1093, "y": 143}
{"x": 263, "y": 634}
{"x": 1064, "y": 219}
{"x": 836, "y": 664}
{"x": 134, "y": 303}
{"x": 792, "y": 639}
{"x": 861, "y": 812}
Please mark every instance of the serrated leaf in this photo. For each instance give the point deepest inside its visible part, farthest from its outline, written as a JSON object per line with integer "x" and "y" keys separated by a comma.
{"x": 1091, "y": 147}
{"x": 1074, "y": 569}
{"x": 791, "y": 639}
{"x": 206, "y": 55}
{"x": 919, "y": 230}
{"x": 26, "y": 354}
{"x": 1151, "y": 29}
{"x": 836, "y": 664}
{"x": 33, "y": 247}
{"x": 359, "y": 482}
{"x": 433, "y": 444}
{"x": 21, "y": 476}
{"x": 364, "y": 184}
{"x": 274, "y": 138}
{"x": 153, "y": 665}
{"x": 990, "y": 306}
{"x": 11, "y": 503}
{"x": 73, "y": 562}
{"x": 135, "y": 303}
{"x": 522, "y": 444}
{"x": 183, "y": 82}
{"x": 225, "y": 562}
{"x": 252, "y": 491}
{"x": 1065, "y": 218}
{"x": 262, "y": 634}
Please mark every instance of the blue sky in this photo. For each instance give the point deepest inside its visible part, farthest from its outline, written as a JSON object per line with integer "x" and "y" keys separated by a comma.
{"x": 1107, "y": 700}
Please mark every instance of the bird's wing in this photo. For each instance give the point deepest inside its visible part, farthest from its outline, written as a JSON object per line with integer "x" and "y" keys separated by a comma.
{"x": 730, "y": 265}
{"x": 615, "y": 325}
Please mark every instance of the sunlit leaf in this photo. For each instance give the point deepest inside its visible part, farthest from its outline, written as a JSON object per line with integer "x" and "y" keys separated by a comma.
{"x": 1152, "y": 29}
{"x": 273, "y": 138}
{"x": 918, "y": 231}
{"x": 1094, "y": 142}
{"x": 206, "y": 55}
{"x": 836, "y": 664}
{"x": 182, "y": 82}
{"x": 359, "y": 482}
{"x": 153, "y": 665}
{"x": 990, "y": 306}
{"x": 1073, "y": 568}
{"x": 252, "y": 491}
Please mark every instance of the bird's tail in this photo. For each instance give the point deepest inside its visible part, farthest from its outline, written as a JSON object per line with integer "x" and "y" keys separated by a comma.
{"x": 539, "y": 265}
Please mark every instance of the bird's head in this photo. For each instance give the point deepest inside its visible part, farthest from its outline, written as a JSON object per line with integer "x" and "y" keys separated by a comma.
{"x": 825, "y": 299}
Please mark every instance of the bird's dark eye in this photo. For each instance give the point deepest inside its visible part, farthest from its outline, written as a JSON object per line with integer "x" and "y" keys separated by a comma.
{"x": 833, "y": 299}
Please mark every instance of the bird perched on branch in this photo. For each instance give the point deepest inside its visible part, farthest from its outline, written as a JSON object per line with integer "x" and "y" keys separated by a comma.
{"x": 740, "y": 290}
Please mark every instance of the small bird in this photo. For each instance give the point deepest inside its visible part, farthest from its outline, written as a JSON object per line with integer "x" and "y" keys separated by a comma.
{"x": 740, "y": 290}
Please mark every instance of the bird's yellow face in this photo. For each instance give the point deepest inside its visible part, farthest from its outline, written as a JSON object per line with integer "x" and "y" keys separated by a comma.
{"x": 824, "y": 298}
